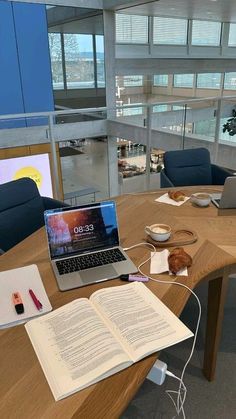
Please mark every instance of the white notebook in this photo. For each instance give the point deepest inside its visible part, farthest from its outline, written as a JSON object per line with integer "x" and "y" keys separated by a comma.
{"x": 21, "y": 280}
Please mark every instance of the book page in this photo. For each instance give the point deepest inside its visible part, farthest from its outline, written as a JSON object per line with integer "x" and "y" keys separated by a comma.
{"x": 75, "y": 348}
{"x": 140, "y": 320}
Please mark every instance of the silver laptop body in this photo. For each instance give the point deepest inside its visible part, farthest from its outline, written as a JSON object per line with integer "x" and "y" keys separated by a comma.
{"x": 226, "y": 199}
{"x": 80, "y": 234}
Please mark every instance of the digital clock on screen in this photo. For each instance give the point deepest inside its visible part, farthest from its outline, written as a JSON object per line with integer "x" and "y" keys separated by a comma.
{"x": 84, "y": 229}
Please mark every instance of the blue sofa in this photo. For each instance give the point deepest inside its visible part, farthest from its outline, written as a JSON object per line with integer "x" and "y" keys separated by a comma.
{"x": 22, "y": 211}
{"x": 191, "y": 167}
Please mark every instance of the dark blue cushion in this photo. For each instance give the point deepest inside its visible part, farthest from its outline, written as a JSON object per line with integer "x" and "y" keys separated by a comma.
{"x": 21, "y": 211}
{"x": 188, "y": 167}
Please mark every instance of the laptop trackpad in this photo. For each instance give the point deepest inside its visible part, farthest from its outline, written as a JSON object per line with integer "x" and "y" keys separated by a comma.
{"x": 98, "y": 274}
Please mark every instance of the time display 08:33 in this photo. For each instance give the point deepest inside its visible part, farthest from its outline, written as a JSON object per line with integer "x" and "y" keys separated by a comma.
{"x": 84, "y": 229}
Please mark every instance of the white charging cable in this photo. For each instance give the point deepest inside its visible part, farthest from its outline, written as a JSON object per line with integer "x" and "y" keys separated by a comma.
{"x": 179, "y": 405}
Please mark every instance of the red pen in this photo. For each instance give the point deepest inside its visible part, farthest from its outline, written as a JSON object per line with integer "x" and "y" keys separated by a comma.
{"x": 37, "y": 303}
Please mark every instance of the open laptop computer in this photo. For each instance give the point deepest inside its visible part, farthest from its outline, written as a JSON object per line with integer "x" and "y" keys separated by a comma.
{"x": 226, "y": 199}
{"x": 84, "y": 245}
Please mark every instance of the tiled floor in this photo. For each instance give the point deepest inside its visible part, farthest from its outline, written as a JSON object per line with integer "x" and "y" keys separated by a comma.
{"x": 87, "y": 170}
{"x": 90, "y": 169}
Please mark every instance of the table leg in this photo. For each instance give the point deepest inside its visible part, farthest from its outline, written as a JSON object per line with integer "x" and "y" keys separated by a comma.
{"x": 217, "y": 289}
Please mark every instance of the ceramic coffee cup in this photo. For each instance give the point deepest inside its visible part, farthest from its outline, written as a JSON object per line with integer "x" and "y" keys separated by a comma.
{"x": 201, "y": 199}
{"x": 158, "y": 232}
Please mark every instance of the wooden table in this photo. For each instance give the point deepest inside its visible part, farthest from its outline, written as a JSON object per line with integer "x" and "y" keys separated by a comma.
{"x": 24, "y": 391}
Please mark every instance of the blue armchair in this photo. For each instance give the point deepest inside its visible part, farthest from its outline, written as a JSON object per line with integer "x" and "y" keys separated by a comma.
{"x": 22, "y": 211}
{"x": 191, "y": 167}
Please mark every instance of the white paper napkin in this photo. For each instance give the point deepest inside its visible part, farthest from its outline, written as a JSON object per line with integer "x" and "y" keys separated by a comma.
{"x": 166, "y": 200}
{"x": 159, "y": 263}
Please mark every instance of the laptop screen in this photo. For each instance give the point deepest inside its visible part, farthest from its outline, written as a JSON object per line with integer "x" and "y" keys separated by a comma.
{"x": 81, "y": 229}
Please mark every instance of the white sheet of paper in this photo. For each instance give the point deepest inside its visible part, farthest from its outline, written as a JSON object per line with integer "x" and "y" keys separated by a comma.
{"x": 166, "y": 200}
{"x": 21, "y": 280}
{"x": 159, "y": 263}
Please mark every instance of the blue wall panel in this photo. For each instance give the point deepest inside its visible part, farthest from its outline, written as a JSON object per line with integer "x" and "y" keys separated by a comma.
{"x": 34, "y": 58}
{"x": 11, "y": 100}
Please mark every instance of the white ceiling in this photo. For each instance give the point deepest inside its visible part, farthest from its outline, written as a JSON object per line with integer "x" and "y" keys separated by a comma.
{"x": 219, "y": 10}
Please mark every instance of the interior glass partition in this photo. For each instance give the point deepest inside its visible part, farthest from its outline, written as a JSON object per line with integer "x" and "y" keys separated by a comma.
{"x": 84, "y": 166}
{"x": 134, "y": 114}
{"x": 82, "y": 156}
{"x": 168, "y": 117}
{"x": 201, "y": 120}
{"x": 81, "y": 116}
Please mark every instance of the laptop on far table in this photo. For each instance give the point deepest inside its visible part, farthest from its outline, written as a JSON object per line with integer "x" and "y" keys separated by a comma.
{"x": 84, "y": 245}
{"x": 226, "y": 199}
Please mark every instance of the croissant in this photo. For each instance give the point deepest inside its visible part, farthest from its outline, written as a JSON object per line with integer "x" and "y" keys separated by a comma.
{"x": 176, "y": 195}
{"x": 178, "y": 259}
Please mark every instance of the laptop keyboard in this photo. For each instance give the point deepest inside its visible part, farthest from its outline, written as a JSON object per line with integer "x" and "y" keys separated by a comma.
{"x": 93, "y": 260}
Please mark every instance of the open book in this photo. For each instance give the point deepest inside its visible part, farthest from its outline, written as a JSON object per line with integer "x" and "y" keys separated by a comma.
{"x": 86, "y": 341}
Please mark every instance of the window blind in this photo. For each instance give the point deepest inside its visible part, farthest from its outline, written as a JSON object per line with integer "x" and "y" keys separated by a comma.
{"x": 160, "y": 80}
{"x": 131, "y": 29}
{"x": 169, "y": 31}
{"x": 133, "y": 81}
{"x": 206, "y": 33}
{"x": 230, "y": 81}
{"x": 183, "y": 80}
{"x": 209, "y": 80}
{"x": 232, "y": 35}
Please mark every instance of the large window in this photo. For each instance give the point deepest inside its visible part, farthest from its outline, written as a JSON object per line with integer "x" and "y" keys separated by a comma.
{"x": 209, "y": 80}
{"x": 232, "y": 35}
{"x": 131, "y": 29}
{"x": 133, "y": 111}
{"x": 183, "y": 80}
{"x": 206, "y": 33}
{"x": 160, "y": 80}
{"x": 160, "y": 108}
{"x": 131, "y": 81}
{"x": 56, "y": 60}
{"x": 230, "y": 81}
{"x": 100, "y": 60}
{"x": 77, "y": 58}
{"x": 168, "y": 31}
{"x": 79, "y": 61}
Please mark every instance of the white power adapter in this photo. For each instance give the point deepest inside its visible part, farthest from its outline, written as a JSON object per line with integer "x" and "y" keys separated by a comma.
{"x": 158, "y": 372}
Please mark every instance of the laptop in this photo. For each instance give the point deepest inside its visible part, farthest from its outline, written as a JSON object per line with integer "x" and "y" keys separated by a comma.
{"x": 226, "y": 199}
{"x": 84, "y": 245}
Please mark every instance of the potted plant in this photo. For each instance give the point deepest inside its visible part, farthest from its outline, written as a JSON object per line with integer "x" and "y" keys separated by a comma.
{"x": 230, "y": 125}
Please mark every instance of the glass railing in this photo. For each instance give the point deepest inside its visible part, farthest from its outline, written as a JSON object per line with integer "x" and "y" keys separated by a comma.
{"x": 94, "y": 158}
{"x": 134, "y": 114}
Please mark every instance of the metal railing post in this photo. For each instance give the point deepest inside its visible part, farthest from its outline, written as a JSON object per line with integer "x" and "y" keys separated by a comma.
{"x": 55, "y": 177}
{"x": 184, "y": 125}
{"x": 148, "y": 146}
{"x": 217, "y": 130}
